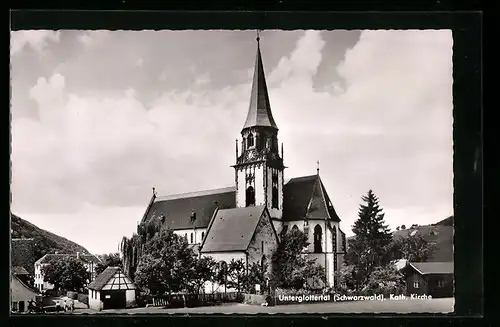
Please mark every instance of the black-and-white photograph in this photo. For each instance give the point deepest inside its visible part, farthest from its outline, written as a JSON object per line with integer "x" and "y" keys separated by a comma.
{"x": 221, "y": 171}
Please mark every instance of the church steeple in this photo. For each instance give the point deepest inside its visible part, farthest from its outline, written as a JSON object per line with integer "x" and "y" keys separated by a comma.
{"x": 259, "y": 111}
{"x": 259, "y": 167}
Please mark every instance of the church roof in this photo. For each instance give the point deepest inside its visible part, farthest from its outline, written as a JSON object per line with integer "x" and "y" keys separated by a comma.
{"x": 177, "y": 209}
{"x": 303, "y": 197}
{"x": 306, "y": 197}
{"x": 259, "y": 111}
{"x": 232, "y": 229}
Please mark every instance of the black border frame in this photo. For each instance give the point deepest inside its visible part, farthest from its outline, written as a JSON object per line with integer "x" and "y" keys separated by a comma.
{"x": 468, "y": 134}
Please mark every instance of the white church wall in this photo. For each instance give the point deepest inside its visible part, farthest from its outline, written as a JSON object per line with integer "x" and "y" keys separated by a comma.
{"x": 260, "y": 200}
{"x": 240, "y": 192}
{"x": 197, "y": 234}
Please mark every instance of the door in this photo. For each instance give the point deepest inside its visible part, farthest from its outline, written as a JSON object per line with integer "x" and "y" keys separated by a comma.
{"x": 113, "y": 299}
{"x": 21, "y": 306}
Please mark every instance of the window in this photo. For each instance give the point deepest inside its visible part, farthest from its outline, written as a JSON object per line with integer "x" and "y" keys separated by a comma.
{"x": 14, "y": 306}
{"x": 295, "y": 227}
{"x": 41, "y": 287}
{"x": 318, "y": 236}
{"x": 262, "y": 247}
{"x": 250, "y": 142}
{"x": 202, "y": 236}
{"x": 192, "y": 241}
{"x": 440, "y": 283}
{"x": 250, "y": 196}
{"x": 186, "y": 236}
{"x": 416, "y": 284}
{"x": 275, "y": 200}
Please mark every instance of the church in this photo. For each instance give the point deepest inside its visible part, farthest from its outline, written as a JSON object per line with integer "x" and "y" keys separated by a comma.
{"x": 244, "y": 221}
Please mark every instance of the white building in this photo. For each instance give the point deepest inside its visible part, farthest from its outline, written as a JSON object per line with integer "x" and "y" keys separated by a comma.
{"x": 111, "y": 290}
{"x": 88, "y": 260}
{"x": 21, "y": 294}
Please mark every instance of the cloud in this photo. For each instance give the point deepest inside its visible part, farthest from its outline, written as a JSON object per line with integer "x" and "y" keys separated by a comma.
{"x": 36, "y": 39}
{"x": 387, "y": 127}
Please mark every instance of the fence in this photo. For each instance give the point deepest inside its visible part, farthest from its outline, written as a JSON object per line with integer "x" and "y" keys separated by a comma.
{"x": 195, "y": 300}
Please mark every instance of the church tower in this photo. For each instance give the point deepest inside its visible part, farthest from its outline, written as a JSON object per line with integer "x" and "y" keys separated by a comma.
{"x": 259, "y": 166}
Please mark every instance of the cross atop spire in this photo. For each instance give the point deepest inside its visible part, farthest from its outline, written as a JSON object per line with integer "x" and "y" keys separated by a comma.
{"x": 317, "y": 167}
{"x": 259, "y": 111}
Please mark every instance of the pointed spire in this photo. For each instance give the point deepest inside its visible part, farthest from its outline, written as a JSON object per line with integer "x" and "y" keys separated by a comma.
{"x": 259, "y": 111}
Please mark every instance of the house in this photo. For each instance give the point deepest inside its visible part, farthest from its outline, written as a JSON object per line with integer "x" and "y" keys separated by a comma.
{"x": 429, "y": 278}
{"x": 21, "y": 294}
{"x": 224, "y": 222}
{"x": 111, "y": 289}
{"x": 88, "y": 260}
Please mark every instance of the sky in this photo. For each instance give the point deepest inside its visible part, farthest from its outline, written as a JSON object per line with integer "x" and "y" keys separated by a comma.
{"x": 98, "y": 118}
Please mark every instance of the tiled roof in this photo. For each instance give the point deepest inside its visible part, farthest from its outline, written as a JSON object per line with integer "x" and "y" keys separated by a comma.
{"x": 18, "y": 270}
{"x": 428, "y": 268}
{"x": 84, "y": 257}
{"x": 307, "y": 197}
{"x": 23, "y": 253}
{"x": 103, "y": 278}
{"x": 17, "y": 290}
{"x": 303, "y": 197}
{"x": 259, "y": 111}
{"x": 232, "y": 229}
{"x": 177, "y": 209}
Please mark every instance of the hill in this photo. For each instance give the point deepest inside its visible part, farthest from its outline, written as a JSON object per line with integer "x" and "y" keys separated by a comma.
{"x": 440, "y": 234}
{"x": 30, "y": 243}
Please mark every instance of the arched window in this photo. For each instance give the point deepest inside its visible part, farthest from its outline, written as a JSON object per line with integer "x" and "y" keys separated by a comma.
{"x": 250, "y": 140}
{"x": 192, "y": 241}
{"x": 250, "y": 196}
{"x": 318, "y": 235}
{"x": 275, "y": 201}
{"x": 263, "y": 262}
{"x": 202, "y": 236}
{"x": 295, "y": 228}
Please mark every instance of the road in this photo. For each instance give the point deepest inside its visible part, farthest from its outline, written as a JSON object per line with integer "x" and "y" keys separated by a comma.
{"x": 387, "y": 306}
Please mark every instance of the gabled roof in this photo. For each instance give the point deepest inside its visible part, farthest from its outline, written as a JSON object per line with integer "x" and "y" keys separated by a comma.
{"x": 19, "y": 288}
{"x": 259, "y": 111}
{"x": 177, "y": 209}
{"x": 429, "y": 268}
{"x": 112, "y": 278}
{"x": 232, "y": 229}
{"x": 88, "y": 258}
{"x": 306, "y": 197}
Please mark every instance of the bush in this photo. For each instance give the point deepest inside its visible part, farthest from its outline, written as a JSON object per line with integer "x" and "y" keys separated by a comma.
{"x": 83, "y": 298}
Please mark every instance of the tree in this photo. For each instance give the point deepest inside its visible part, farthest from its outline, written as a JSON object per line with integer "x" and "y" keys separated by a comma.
{"x": 108, "y": 260}
{"x": 386, "y": 280}
{"x": 369, "y": 248}
{"x": 412, "y": 248}
{"x": 165, "y": 264}
{"x": 236, "y": 273}
{"x": 257, "y": 274}
{"x": 290, "y": 266}
{"x": 201, "y": 272}
{"x": 66, "y": 274}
